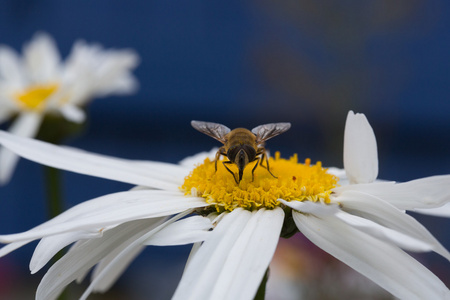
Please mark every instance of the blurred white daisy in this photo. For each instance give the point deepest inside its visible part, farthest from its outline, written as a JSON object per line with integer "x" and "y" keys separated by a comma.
{"x": 40, "y": 83}
{"x": 361, "y": 222}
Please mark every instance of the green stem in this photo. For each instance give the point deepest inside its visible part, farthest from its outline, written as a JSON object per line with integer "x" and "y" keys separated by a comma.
{"x": 54, "y": 193}
{"x": 261, "y": 294}
{"x": 55, "y": 205}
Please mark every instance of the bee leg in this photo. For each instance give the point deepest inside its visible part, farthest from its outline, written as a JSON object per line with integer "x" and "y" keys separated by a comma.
{"x": 229, "y": 162}
{"x": 264, "y": 156}
{"x": 220, "y": 152}
{"x": 253, "y": 170}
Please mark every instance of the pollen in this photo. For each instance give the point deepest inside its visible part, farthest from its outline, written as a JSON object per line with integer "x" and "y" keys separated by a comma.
{"x": 295, "y": 181}
{"x": 35, "y": 97}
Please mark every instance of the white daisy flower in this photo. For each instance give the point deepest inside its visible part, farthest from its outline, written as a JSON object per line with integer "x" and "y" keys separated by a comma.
{"x": 40, "y": 83}
{"x": 361, "y": 222}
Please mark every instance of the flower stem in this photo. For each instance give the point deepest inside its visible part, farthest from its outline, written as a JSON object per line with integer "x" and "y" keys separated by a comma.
{"x": 55, "y": 205}
{"x": 261, "y": 293}
{"x": 54, "y": 193}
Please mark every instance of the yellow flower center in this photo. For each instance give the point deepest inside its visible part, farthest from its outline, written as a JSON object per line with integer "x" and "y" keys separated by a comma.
{"x": 35, "y": 96}
{"x": 295, "y": 181}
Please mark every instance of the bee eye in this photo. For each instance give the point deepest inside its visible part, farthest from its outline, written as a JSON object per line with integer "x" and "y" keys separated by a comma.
{"x": 232, "y": 152}
{"x": 251, "y": 152}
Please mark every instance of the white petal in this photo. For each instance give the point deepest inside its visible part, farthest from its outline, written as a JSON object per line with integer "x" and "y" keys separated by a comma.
{"x": 385, "y": 214}
{"x": 340, "y": 173}
{"x": 83, "y": 257}
{"x": 231, "y": 263}
{"x": 26, "y": 125}
{"x": 13, "y": 246}
{"x": 384, "y": 233}
{"x": 192, "y": 254}
{"x": 406, "y": 232}
{"x": 428, "y": 192}
{"x": 368, "y": 188}
{"x": 309, "y": 207}
{"x": 172, "y": 172}
{"x": 111, "y": 210}
{"x": 73, "y": 113}
{"x": 116, "y": 259}
{"x": 123, "y": 85}
{"x": 112, "y": 74}
{"x": 442, "y": 211}
{"x": 88, "y": 163}
{"x": 104, "y": 280}
{"x": 191, "y": 162}
{"x": 199, "y": 277}
{"x": 249, "y": 259}
{"x": 186, "y": 231}
{"x": 11, "y": 68}
{"x": 42, "y": 58}
{"x": 94, "y": 72}
{"x": 385, "y": 264}
{"x": 49, "y": 246}
{"x": 360, "y": 150}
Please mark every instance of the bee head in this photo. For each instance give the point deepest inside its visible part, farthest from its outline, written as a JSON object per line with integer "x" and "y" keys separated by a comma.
{"x": 241, "y": 155}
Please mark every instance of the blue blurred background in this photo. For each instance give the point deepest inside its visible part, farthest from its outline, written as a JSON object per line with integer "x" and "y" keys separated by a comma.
{"x": 242, "y": 64}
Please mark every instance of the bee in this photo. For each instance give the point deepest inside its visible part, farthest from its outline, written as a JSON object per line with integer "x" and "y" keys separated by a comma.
{"x": 241, "y": 145}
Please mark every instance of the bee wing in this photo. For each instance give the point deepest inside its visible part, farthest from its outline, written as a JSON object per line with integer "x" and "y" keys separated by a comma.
{"x": 268, "y": 131}
{"x": 214, "y": 130}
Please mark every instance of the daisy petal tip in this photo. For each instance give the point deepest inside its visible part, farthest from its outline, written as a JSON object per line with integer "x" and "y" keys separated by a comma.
{"x": 73, "y": 113}
{"x": 4, "y": 178}
{"x": 350, "y": 114}
{"x": 8, "y": 161}
{"x": 360, "y": 149}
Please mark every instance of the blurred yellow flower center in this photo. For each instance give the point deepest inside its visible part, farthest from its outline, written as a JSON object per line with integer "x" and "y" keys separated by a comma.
{"x": 295, "y": 181}
{"x": 35, "y": 96}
